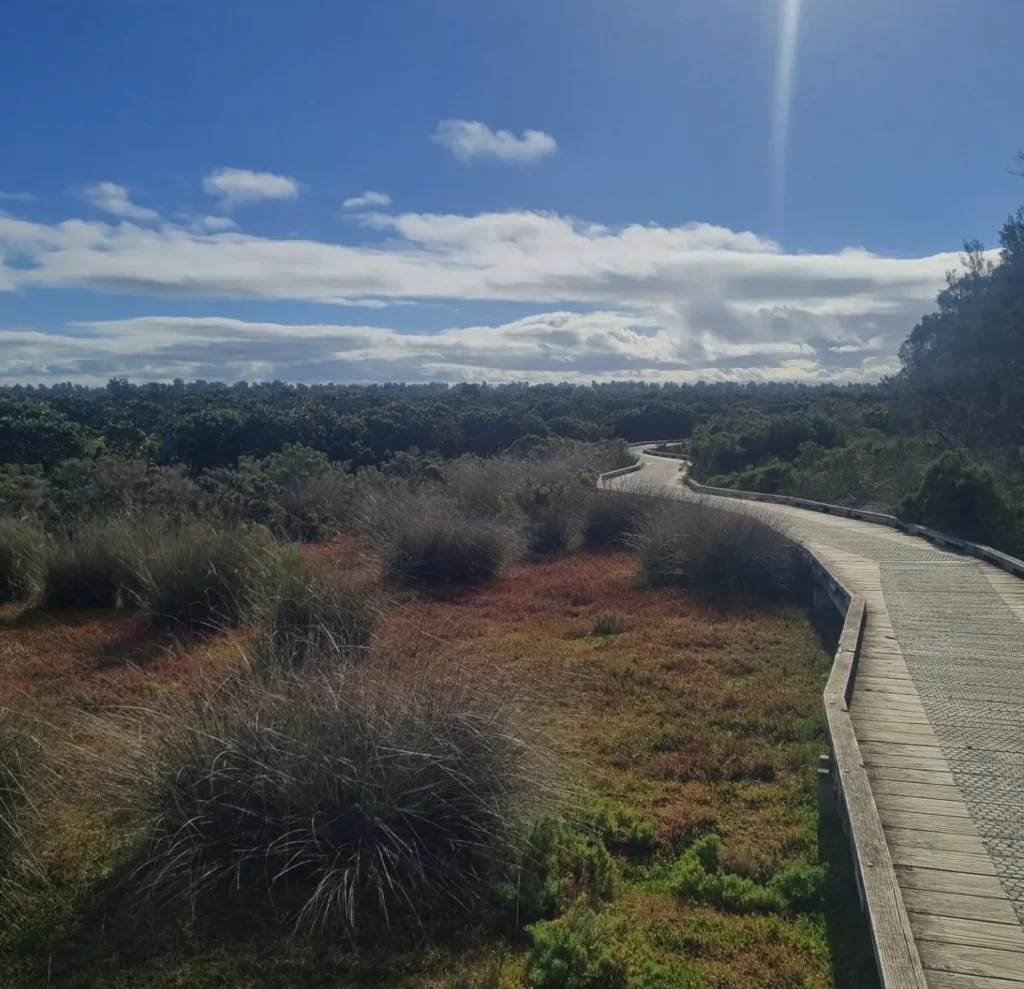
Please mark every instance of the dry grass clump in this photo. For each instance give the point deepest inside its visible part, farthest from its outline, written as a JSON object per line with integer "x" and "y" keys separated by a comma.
{"x": 21, "y": 781}
{"x": 349, "y": 801}
{"x": 22, "y": 547}
{"x": 318, "y": 613}
{"x": 94, "y": 566}
{"x": 205, "y": 578}
{"x": 735, "y": 554}
{"x": 613, "y": 518}
{"x": 425, "y": 540}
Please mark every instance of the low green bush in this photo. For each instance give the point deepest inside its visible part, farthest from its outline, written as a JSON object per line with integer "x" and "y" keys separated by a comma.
{"x": 559, "y": 865}
{"x": 315, "y": 613}
{"x": 698, "y": 875}
{"x": 351, "y": 801}
{"x": 718, "y": 551}
{"x": 22, "y": 547}
{"x": 576, "y": 951}
{"x": 960, "y": 496}
{"x": 202, "y": 578}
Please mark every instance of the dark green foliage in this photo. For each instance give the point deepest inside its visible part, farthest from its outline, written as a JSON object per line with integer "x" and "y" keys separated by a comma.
{"x": 94, "y": 566}
{"x": 718, "y": 551}
{"x": 548, "y": 509}
{"x": 960, "y": 496}
{"x": 22, "y": 548}
{"x": 560, "y": 865}
{"x": 575, "y": 951}
{"x": 351, "y": 801}
{"x": 315, "y": 613}
{"x": 698, "y": 875}
{"x": 204, "y": 578}
{"x": 613, "y": 518}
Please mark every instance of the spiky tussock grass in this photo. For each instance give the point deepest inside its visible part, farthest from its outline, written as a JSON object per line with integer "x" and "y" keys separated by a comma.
{"x": 22, "y": 781}
{"x": 353, "y": 801}
{"x": 613, "y": 518}
{"x": 204, "y": 578}
{"x": 94, "y": 566}
{"x": 734, "y": 554}
{"x": 22, "y": 547}
{"x": 427, "y": 540}
{"x": 318, "y": 612}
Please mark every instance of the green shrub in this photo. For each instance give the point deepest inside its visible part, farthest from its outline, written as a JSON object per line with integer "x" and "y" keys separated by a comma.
{"x": 548, "y": 511}
{"x": 94, "y": 566}
{"x": 673, "y": 976}
{"x": 960, "y": 496}
{"x": 314, "y": 613}
{"x": 21, "y": 554}
{"x": 350, "y": 801}
{"x": 559, "y": 865}
{"x": 623, "y": 832}
{"x": 719, "y": 551}
{"x": 698, "y": 875}
{"x": 802, "y": 887}
{"x": 204, "y": 579}
{"x": 575, "y": 951}
{"x": 433, "y": 544}
{"x": 613, "y": 518}
{"x": 606, "y": 624}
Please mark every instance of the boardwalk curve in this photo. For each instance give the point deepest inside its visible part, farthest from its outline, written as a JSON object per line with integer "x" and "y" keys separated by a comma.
{"x": 925, "y": 712}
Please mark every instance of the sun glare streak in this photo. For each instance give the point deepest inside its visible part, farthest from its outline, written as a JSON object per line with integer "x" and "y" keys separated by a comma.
{"x": 789, "y": 31}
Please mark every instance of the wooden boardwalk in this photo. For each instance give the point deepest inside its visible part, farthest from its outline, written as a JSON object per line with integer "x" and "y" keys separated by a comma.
{"x": 937, "y": 708}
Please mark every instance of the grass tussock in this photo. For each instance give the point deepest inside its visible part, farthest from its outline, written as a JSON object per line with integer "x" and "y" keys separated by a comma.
{"x": 723, "y": 553}
{"x": 21, "y": 783}
{"x": 352, "y": 802}
{"x": 22, "y": 546}
{"x": 203, "y": 578}
{"x": 612, "y": 519}
{"x": 318, "y": 613}
{"x": 427, "y": 541}
{"x": 94, "y": 566}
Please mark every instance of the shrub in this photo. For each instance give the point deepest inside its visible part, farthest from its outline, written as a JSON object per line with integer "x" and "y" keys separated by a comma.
{"x": 559, "y": 865}
{"x": 314, "y": 613}
{"x": 698, "y": 875}
{"x": 21, "y": 549}
{"x": 204, "y": 579}
{"x": 613, "y": 518}
{"x": 718, "y": 551}
{"x": 94, "y": 566}
{"x": 606, "y": 624}
{"x": 349, "y": 801}
{"x": 433, "y": 544}
{"x": 575, "y": 952}
{"x": 623, "y": 832}
{"x": 548, "y": 511}
{"x": 958, "y": 495}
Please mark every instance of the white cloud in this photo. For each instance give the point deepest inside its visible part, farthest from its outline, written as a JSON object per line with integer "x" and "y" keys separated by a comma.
{"x": 646, "y": 301}
{"x": 469, "y": 139}
{"x": 240, "y": 185}
{"x": 17, "y": 197}
{"x": 113, "y": 198}
{"x": 368, "y": 198}
{"x": 215, "y": 223}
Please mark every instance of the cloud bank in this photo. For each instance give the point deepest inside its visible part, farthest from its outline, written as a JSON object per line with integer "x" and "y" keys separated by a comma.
{"x": 112, "y": 198}
{"x": 641, "y": 301}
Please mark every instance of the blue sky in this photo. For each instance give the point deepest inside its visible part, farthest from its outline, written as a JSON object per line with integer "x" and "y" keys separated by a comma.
{"x": 565, "y": 189}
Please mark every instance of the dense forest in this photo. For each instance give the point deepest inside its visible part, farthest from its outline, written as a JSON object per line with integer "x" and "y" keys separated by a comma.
{"x": 941, "y": 441}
